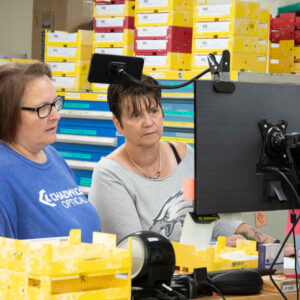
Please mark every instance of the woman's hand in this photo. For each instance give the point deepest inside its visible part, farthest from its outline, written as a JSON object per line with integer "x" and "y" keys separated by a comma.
{"x": 231, "y": 240}
{"x": 289, "y": 249}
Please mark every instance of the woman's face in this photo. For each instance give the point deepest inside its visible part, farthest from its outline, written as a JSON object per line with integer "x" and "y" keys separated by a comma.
{"x": 143, "y": 128}
{"x": 35, "y": 133}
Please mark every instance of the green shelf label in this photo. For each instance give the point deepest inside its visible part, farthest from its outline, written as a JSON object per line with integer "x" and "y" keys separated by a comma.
{"x": 77, "y": 105}
{"x": 178, "y": 113}
{"x": 85, "y": 181}
{"x": 74, "y": 155}
{"x": 78, "y": 131}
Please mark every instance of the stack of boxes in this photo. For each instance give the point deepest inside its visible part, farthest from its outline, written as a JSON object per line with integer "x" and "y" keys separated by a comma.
{"x": 69, "y": 55}
{"x": 163, "y": 34}
{"x": 239, "y": 26}
{"x": 113, "y": 30}
{"x": 284, "y": 54}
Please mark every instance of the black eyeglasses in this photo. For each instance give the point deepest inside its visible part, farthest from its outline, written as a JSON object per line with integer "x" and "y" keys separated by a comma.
{"x": 45, "y": 110}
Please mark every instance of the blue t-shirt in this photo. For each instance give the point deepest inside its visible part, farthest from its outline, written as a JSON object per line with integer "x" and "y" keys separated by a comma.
{"x": 42, "y": 200}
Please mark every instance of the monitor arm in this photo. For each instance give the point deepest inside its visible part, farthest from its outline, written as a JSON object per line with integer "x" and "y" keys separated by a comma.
{"x": 279, "y": 151}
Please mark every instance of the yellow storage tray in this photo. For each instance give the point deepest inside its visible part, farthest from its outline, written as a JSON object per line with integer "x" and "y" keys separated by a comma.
{"x": 284, "y": 48}
{"x": 216, "y": 258}
{"x": 200, "y": 61}
{"x": 187, "y": 75}
{"x": 236, "y": 9}
{"x": 163, "y": 74}
{"x": 245, "y": 44}
{"x": 183, "y": 18}
{"x": 117, "y": 10}
{"x": 63, "y": 38}
{"x": 100, "y": 87}
{"x": 126, "y": 50}
{"x": 171, "y": 61}
{"x": 296, "y": 68}
{"x": 23, "y": 60}
{"x": 146, "y": 5}
{"x": 242, "y": 27}
{"x": 65, "y": 268}
{"x": 114, "y": 39}
{"x": 297, "y": 52}
{"x": 69, "y": 68}
{"x": 281, "y": 65}
{"x": 4, "y": 61}
{"x": 71, "y": 83}
{"x": 83, "y": 96}
{"x": 55, "y": 53}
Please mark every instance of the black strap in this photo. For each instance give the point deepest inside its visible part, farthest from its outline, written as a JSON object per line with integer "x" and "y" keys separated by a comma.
{"x": 178, "y": 159}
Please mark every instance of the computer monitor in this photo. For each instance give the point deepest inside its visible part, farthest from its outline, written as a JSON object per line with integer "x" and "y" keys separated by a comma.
{"x": 229, "y": 144}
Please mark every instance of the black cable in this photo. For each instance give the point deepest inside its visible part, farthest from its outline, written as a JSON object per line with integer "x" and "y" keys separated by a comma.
{"x": 169, "y": 289}
{"x": 215, "y": 288}
{"x": 169, "y": 87}
{"x": 295, "y": 266}
{"x": 286, "y": 238}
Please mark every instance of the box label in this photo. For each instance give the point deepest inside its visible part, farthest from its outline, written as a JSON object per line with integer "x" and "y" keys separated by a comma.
{"x": 107, "y": 9}
{"x": 160, "y": 31}
{"x": 153, "y": 18}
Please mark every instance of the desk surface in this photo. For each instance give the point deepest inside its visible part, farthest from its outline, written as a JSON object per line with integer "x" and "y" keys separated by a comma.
{"x": 260, "y": 296}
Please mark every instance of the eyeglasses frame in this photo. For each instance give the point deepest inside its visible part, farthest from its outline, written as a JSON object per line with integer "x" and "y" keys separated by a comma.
{"x": 37, "y": 109}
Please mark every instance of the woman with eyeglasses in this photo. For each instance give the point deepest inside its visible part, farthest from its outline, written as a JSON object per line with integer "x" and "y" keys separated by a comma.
{"x": 39, "y": 196}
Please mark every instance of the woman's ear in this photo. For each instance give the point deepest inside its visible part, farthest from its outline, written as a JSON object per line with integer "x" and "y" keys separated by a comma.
{"x": 117, "y": 124}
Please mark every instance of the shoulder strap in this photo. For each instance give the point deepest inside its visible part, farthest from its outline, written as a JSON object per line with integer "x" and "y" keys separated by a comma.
{"x": 178, "y": 159}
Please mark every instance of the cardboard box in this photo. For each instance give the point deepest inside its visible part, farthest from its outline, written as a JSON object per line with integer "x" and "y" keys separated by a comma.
{"x": 65, "y": 15}
{"x": 286, "y": 284}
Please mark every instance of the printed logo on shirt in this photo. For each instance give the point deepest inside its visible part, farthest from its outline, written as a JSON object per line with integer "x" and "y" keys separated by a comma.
{"x": 67, "y": 198}
{"x": 171, "y": 215}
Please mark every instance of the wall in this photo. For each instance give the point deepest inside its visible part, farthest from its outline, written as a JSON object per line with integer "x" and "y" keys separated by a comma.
{"x": 15, "y": 26}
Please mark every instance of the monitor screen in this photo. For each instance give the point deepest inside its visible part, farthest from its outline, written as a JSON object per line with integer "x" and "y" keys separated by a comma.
{"x": 229, "y": 143}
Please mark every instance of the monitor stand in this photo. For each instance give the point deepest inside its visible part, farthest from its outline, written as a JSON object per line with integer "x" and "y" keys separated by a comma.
{"x": 197, "y": 230}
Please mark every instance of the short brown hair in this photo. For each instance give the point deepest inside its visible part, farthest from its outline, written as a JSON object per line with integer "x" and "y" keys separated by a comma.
{"x": 117, "y": 93}
{"x": 14, "y": 78}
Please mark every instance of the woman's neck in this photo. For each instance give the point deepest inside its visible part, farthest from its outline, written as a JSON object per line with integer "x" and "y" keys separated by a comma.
{"x": 38, "y": 156}
{"x": 144, "y": 157}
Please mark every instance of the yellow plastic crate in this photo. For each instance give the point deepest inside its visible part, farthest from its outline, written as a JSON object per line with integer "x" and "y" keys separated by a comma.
{"x": 281, "y": 64}
{"x": 284, "y": 48}
{"x": 83, "y": 96}
{"x": 146, "y": 5}
{"x": 296, "y": 68}
{"x": 24, "y": 60}
{"x": 126, "y": 50}
{"x": 100, "y": 87}
{"x": 163, "y": 74}
{"x": 216, "y": 258}
{"x": 117, "y": 10}
{"x": 4, "y": 61}
{"x": 171, "y": 61}
{"x": 171, "y": 18}
{"x": 114, "y": 39}
{"x": 200, "y": 61}
{"x": 187, "y": 75}
{"x": 57, "y": 269}
{"x": 71, "y": 83}
{"x": 63, "y": 38}
{"x": 235, "y": 10}
{"x": 242, "y": 27}
{"x": 54, "y": 53}
{"x": 245, "y": 44}
{"x": 69, "y": 68}
{"x": 297, "y": 52}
